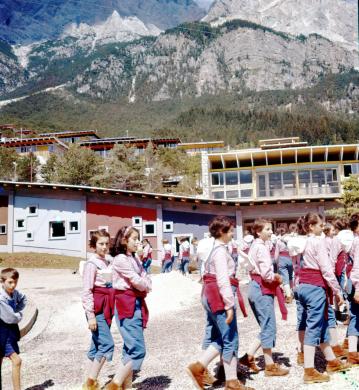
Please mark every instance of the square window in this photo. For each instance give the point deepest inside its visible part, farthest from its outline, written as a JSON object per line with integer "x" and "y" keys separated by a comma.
{"x": 103, "y": 228}
{"x": 137, "y": 221}
{"x": 168, "y": 227}
{"x": 2, "y": 229}
{"x": 20, "y": 224}
{"x": 90, "y": 233}
{"x": 29, "y": 236}
{"x": 73, "y": 227}
{"x": 57, "y": 229}
{"x": 32, "y": 210}
{"x": 149, "y": 229}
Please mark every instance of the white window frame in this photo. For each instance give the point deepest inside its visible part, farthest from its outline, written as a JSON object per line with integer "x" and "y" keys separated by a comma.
{"x": 169, "y": 229}
{"x": 2, "y": 234}
{"x": 29, "y": 238}
{"x": 89, "y": 233}
{"x": 103, "y": 228}
{"x": 57, "y": 238}
{"x": 144, "y": 234}
{"x": 69, "y": 231}
{"x": 175, "y": 238}
{"x": 17, "y": 228}
{"x": 135, "y": 224}
{"x": 33, "y": 214}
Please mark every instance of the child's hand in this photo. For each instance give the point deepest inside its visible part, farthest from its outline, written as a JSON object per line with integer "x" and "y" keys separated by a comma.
{"x": 278, "y": 278}
{"x": 340, "y": 300}
{"x": 229, "y": 314}
{"x": 356, "y": 297}
{"x": 92, "y": 324}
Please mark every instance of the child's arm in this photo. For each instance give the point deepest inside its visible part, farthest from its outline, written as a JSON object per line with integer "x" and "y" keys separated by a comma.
{"x": 88, "y": 278}
{"x": 8, "y": 315}
{"x": 21, "y": 301}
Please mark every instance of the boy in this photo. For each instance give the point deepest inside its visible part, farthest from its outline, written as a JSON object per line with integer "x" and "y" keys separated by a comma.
{"x": 12, "y": 302}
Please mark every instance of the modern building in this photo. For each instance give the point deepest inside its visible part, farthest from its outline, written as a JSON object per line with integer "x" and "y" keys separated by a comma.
{"x": 73, "y": 136}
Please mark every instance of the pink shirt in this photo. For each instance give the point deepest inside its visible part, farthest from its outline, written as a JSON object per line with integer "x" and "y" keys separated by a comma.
{"x": 335, "y": 250}
{"x": 354, "y": 253}
{"x": 315, "y": 256}
{"x": 261, "y": 257}
{"x": 90, "y": 278}
{"x": 223, "y": 266}
{"x": 128, "y": 272}
{"x": 280, "y": 246}
{"x": 184, "y": 247}
{"x": 147, "y": 250}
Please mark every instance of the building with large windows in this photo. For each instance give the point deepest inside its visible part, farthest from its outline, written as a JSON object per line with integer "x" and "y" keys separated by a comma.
{"x": 279, "y": 169}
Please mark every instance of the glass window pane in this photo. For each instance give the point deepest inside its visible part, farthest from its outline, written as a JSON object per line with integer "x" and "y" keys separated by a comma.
{"x": 215, "y": 179}
{"x": 262, "y": 185}
{"x": 245, "y": 177}
{"x": 218, "y": 195}
{"x": 318, "y": 176}
{"x": 246, "y": 193}
{"x": 304, "y": 177}
{"x": 232, "y": 194}
{"x": 231, "y": 178}
{"x": 347, "y": 170}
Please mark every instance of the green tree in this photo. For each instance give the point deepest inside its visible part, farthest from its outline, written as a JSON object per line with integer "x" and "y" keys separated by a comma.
{"x": 28, "y": 167}
{"x": 49, "y": 170}
{"x": 7, "y": 167}
{"x": 349, "y": 199}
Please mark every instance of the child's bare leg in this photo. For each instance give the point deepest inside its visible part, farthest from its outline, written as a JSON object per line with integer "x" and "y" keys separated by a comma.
{"x": 16, "y": 367}
{"x": 95, "y": 368}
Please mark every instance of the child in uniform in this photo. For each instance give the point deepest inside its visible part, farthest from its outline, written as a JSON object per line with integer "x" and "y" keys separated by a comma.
{"x": 131, "y": 284}
{"x": 262, "y": 289}
{"x": 184, "y": 255}
{"x": 12, "y": 302}
{"x": 146, "y": 255}
{"x": 218, "y": 299}
{"x": 98, "y": 303}
{"x": 166, "y": 256}
{"x": 316, "y": 277}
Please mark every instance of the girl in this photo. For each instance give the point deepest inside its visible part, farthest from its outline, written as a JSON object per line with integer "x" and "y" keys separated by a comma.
{"x": 316, "y": 277}
{"x": 218, "y": 299}
{"x": 147, "y": 255}
{"x": 184, "y": 255}
{"x": 97, "y": 301}
{"x": 167, "y": 256}
{"x": 285, "y": 264}
{"x": 353, "y": 329}
{"x": 131, "y": 284}
{"x": 262, "y": 288}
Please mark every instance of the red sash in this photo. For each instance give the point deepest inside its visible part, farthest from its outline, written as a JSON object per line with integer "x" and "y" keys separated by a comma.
{"x": 167, "y": 256}
{"x": 125, "y": 301}
{"x": 272, "y": 288}
{"x": 214, "y": 298}
{"x": 340, "y": 263}
{"x": 185, "y": 254}
{"x": 104, "y": 302}
{"x": 284, "y": 254}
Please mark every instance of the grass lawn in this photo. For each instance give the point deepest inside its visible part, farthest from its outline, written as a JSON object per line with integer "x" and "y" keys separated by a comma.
{"x": 38, "y": 260}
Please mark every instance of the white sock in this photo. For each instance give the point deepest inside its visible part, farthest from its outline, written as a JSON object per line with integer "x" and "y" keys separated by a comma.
{"x": 267, "y": 352}
{"x": 333, "y": 336}
{"x": 301, "y": 334}
{"x": 122, "y": 373}
{"x": 353, "y": 343}
{"x": 208, "y": 355}
{"x": 327, "y": 351}
{"x": 309, "y": 353}
{"x": 287, "y": 290}
{"x": 254, "y": 348}
{"x": 230, "y": 369}
{"x": 95, "y": 368}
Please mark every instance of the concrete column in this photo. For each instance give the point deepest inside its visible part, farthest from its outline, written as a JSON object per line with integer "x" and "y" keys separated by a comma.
{"x": 83, "y": 222}
{"x": 10, "y": 222}
{"x": 205, "y": 175}
{"x": 239, "y": 224}
{"x": 159, "y": 231}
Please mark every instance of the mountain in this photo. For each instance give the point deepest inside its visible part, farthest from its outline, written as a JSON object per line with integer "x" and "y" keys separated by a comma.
{"x": 24, "y": 22}
{"x": 336, "y": 20}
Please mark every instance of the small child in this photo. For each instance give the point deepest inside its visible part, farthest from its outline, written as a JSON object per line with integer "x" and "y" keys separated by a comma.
{"x": 166, "y": 256}
{"x": 147, "y": 255}
{"x": 184, "y": 255}
{"x": 12, "y": 302}
{"x": 98, "y": 303}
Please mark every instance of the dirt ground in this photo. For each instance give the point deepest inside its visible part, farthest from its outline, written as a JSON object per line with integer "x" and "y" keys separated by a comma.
{"x": 54, "y": 352}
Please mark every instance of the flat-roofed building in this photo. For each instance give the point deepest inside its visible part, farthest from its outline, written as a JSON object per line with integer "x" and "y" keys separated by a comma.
{"x": 73, "y": 136}
{"x": 202, "y": 146}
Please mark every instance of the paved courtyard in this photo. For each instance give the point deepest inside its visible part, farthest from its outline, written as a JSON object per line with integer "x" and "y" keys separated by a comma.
{"x": 54, "y": 352}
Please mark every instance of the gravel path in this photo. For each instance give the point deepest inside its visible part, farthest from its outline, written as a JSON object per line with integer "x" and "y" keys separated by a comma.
{"x": 54, "y": 352}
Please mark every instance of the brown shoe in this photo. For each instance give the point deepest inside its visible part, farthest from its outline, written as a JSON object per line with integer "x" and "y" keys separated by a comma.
{"x": 353, "y": 359}
{"x": 300, "y": 358}
{"x": 127, "y": 384}
{"x": 196, "y": 372}
{"x": 113, "y": 386}
{"x": 345, "y": 344}
{"x": 275, "y": 370}
{"x": 339, "y": 351}
{"x": 337, "y": 365}
{"x": 208, "y": 378}
{"x": 91, "y": 384}
{"x": 311, "y": 375}
{"x": 248, "y": 361}
{"x": 235, "y": 384}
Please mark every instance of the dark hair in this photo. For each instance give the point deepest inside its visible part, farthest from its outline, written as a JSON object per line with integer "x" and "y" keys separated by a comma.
{"x": 281, "y": 231}
{"x": 258, "y": 226}
{"x": 121, "y": 240}
{"x": 220, "y": 225}
{"x": 96, "y": 235}
{"x": 327, "y": 227}
{"x": 354, "y": 221}
{"x": 293, "y": 228}
{"x": 309, "y": 219}
{"x": 148, "y": 242}
{"x": 341, "y": 223}
{"x": 8, "y": 273}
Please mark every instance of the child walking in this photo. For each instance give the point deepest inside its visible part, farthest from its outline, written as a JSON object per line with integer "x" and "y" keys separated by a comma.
{"x": 166, "y": 256}
{"x": 184, "y": 255}
{"x": 146, "y": 255}
{"x": 98, "y": 303}
{"x": 131, "y": 284}
{"x": 12, "y": 302}
{"x": 262, "y": 289}
{"x": 218, "y": 299}
{"x": 316, "y": 279}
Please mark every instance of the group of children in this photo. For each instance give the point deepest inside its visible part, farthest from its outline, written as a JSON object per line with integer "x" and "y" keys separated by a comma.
{"x": 312, "y": 262}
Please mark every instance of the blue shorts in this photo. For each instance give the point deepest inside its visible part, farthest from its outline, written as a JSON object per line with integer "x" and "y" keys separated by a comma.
{"x": 102, "y": 342}
{"x": 9, "y": 337}
{"x": 220, "y": 335}
{"x": 353, "y": 328}
{"x": 301, "y": 313}
{"x": 313, "y": 299}
{"x": 332, "y": 322}
{"x": 285, "y": 269}
{"x": 131, "y": 330}
{"x": 263, "y": 310}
